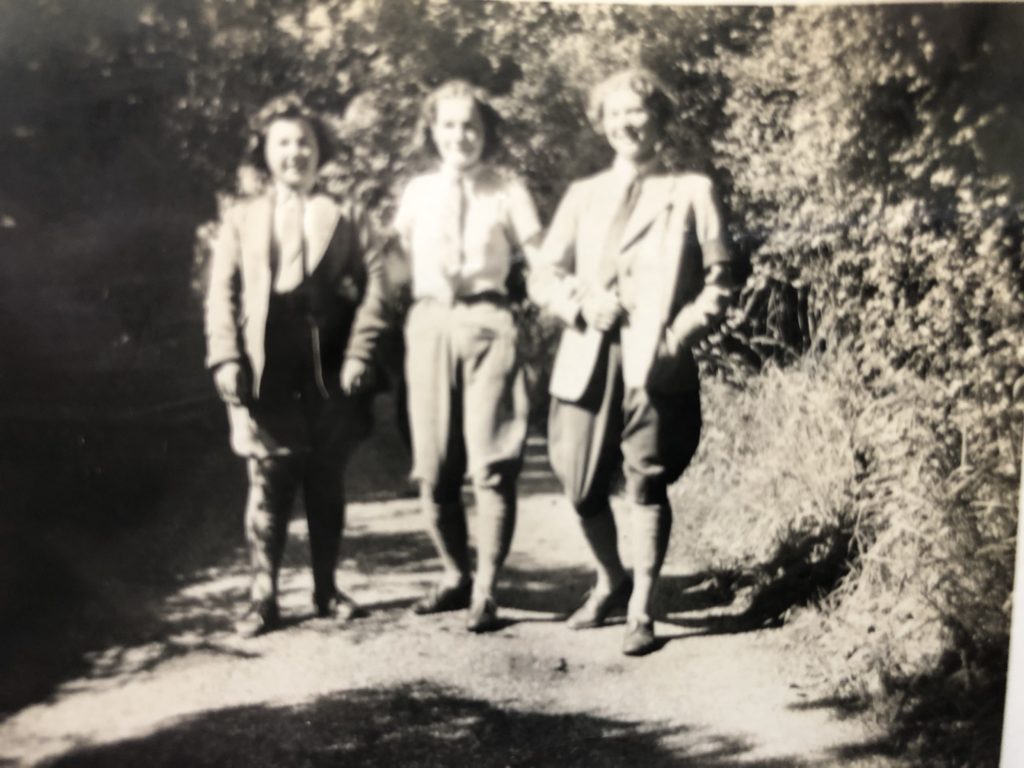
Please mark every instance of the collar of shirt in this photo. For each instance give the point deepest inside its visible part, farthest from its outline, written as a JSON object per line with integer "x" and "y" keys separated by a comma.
{"x": 465, "y": 176}
{"x": 283, "y": 193}
{"x": 626, "y": 171}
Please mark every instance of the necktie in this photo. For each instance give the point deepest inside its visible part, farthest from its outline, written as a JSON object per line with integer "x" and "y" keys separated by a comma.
{"x": 613, "y": 240}
{"x": 454, "y": 214}
{"x": 290, "y": 251}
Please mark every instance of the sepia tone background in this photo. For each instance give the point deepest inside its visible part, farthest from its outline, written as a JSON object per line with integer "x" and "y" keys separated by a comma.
{"x": 859, "y": 468}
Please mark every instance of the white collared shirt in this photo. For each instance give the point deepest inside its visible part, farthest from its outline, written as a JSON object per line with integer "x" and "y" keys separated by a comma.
{"x": 288, "y": 270}
{"x": 499, "y": 218}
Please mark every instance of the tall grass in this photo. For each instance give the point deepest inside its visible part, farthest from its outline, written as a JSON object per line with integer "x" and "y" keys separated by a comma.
{"x": 870, "y": 502}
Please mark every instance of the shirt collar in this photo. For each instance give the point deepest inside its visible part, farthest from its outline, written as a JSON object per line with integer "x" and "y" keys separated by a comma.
{"x": 627, "y": 172}
{"x": 469, "y": 174}
{"x": 283, "y": 192}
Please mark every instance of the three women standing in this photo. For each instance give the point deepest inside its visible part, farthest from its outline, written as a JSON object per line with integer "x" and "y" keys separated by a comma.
{"x": 635, "y": 264}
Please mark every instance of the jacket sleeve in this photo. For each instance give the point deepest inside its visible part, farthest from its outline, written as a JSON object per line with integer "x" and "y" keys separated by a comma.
{"x": 695, "y": 320}
{"x": 370, "y": 320}
{"x": 223, "y": 294}
{"x": 553, "y": 284}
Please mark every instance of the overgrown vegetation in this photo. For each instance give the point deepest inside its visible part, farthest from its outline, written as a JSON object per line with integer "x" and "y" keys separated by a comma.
{"x": 862, "y": 439}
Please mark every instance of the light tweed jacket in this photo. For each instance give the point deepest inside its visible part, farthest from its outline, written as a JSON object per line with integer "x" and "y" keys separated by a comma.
{"x": 674, "y": 264}
{"x": 344, "y": 285}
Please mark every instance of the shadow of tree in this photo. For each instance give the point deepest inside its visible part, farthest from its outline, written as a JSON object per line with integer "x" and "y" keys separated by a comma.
{"x": 389, "y": 552}
{"x": 413, "y": 725}
{"x": 529, "y": 586}
{"x": 954, "y": 716}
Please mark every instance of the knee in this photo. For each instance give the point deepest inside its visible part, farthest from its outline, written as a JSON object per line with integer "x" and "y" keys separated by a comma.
{"x": 496, "y": 478}
{"x": 325, "y": 484}
{"x": 495, "y": 493}
{"x": 646, "y": 491}
{"x": 439, "y": 494}
{"x": 259, "y": 518}
{"x": 590, "y": 506}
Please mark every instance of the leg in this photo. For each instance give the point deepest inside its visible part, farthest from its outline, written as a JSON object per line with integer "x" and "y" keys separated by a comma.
{"x": 272, "y": 485}
{"x": 659, "y": 439}
{"x": 496, "y": 521}
{"x": 583, "y": 445}
{"x": 336, "y": 426}
{"x": 651, "y": 526}
{"x": 438, "y": 453}
{"x": 495, "y": 410}
{"x": 446, "y": 523}
{"x": 324, "y": 492}
{"x": 602, "y": 535}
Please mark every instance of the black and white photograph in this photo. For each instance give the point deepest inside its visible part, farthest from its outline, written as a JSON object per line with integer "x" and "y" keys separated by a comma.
{"x": 428, "y": 383}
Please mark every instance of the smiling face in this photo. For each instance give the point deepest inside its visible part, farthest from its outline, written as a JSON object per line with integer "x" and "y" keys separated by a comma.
{"x": 292, "y": 152}
{"x": 629, "y": 125}
{"x": 458, "y": 132}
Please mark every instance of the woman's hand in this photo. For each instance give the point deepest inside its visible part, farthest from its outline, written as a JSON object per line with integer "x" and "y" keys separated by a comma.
{"x": 601, "y": 310}
{"x": 232, "y": 383}
{"x": 356, "y": 376}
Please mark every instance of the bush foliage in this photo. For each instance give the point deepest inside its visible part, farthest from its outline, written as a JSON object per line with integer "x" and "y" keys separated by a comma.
{"x": 868, "y": 161}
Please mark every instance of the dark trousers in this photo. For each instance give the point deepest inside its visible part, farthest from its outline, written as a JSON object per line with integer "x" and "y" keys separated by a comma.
{"x": 314, "y": 436}
{"x": 651, "y": 436}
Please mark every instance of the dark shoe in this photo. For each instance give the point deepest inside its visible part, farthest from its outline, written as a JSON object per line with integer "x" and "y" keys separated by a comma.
{"x": 260, "y": 619}
{"x": 639, "y": 640}
{"x": 442, "y": 599}
{"x": 596, "y": 610}
{"x": 341, "y": 608}
{"x": 483, "y": 616}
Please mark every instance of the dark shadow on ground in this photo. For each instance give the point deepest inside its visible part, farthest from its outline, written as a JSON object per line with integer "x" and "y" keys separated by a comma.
{"x": 414, "y": 725}
{"x": 953, "y": 717}
{"x": 843, "y": 706}
{"x": 391, "y": 552}
{"x": 545, "y": 590}
{"x": 91, "y": 591}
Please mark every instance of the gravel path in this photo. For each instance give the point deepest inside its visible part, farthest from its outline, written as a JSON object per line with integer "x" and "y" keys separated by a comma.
{"x": 394, "y": 689}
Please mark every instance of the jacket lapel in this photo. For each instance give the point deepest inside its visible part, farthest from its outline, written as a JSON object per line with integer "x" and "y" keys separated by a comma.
{"x": 600, "y": 209}
{"x": 321, "y": 219}
{"x": 256, "y": 245}
{"x": 655, "y": 196}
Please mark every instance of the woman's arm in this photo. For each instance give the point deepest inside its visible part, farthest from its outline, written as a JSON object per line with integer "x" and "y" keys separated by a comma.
{"x": 695, "y": 320}
{"x": 223, "y": 295}
{"x": 370, "y": 319}
{"x": 553, "y": 284}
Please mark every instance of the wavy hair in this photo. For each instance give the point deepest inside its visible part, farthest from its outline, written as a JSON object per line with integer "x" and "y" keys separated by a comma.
{"x": 289, "y": 106}
{"x": 658, "y": 99}
{"x": 461, "y": 89}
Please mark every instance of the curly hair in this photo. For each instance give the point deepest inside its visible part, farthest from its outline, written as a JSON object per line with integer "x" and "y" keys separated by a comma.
{"x": 658, "y": 99}
{"x": 289, "y": 106}
{"x": 460, "y": 89}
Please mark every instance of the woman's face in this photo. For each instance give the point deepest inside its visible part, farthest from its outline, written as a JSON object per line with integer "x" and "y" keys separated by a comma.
{"x": 458, "y": 132}
{"x": 292, "y": 152}
{"x": 629, "y": 126}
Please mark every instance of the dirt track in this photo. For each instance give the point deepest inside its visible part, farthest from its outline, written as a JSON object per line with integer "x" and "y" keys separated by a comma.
{"x": 394, "y": 689}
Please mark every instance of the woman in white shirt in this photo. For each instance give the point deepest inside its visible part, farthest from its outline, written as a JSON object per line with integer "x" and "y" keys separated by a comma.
{"x": 460, "y": 226}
